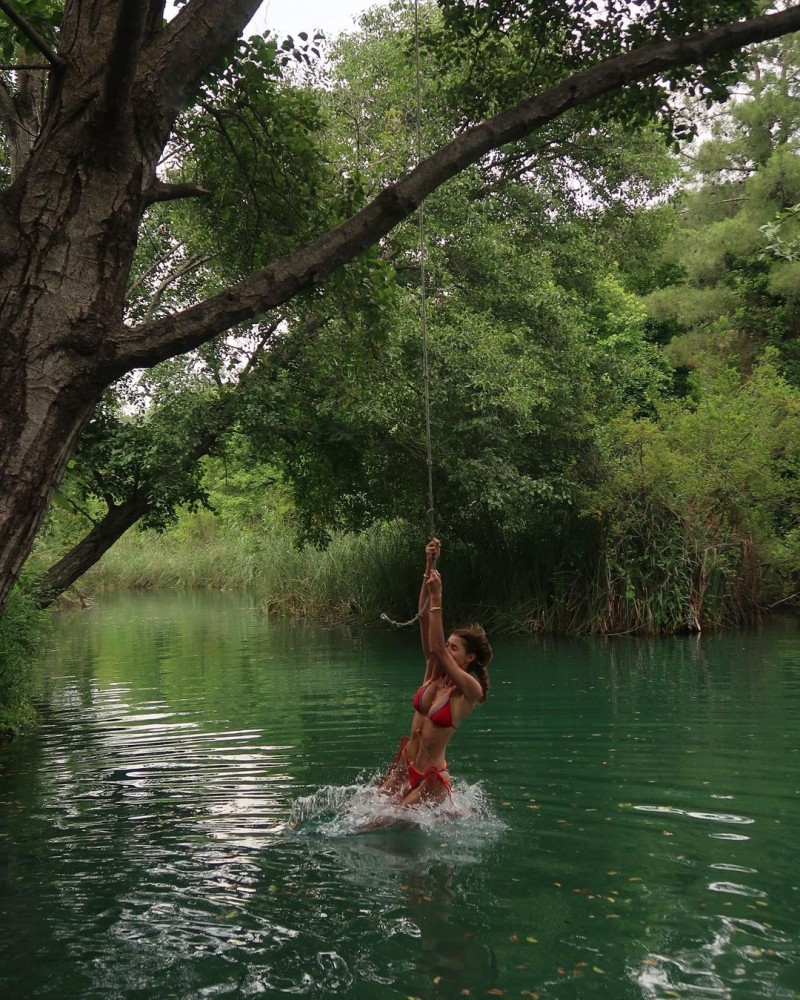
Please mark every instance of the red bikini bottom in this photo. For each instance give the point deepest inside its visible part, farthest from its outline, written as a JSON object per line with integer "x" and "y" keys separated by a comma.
{"x": 416, "y": 777}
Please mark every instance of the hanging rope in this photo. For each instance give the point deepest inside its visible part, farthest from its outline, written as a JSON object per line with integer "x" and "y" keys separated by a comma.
{"x": 426, "y": 383}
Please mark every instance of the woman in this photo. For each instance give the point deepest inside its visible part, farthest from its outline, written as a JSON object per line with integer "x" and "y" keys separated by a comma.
{"x": 455, "y": 682}
{"x": 396, "y": 781}
{"x": 462, "y": 683}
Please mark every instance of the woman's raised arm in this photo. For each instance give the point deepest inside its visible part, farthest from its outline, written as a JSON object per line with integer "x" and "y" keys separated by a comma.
{"x": 467, "y": 685}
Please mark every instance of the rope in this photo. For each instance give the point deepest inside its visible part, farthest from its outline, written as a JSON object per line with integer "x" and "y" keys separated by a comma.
{"x": 426, "y": 382}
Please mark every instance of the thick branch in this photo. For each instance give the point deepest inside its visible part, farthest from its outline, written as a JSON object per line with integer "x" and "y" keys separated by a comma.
{"x": 272, "y": 286}
{"x": 199, "y": 34}
{"x": 172, "y": 192}
{"x": 56, "y": 62}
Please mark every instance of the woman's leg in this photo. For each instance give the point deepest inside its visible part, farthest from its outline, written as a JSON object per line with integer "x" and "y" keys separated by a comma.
{"x": 395, "y": 780}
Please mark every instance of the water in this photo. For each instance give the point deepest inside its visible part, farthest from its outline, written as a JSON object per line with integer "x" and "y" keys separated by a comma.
{"x": 185, "y": 822}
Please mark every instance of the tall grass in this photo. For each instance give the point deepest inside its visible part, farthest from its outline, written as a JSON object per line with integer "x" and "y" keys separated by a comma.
{"x": 355, "y": 577}
{"x": 591, "y": 577}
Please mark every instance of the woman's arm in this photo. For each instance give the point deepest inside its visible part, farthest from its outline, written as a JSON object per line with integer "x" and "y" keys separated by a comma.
{"x": 467, "y": 685}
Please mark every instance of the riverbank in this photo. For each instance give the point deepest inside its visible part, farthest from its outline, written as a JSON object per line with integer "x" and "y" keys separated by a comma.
{"x": 578, "y": 584}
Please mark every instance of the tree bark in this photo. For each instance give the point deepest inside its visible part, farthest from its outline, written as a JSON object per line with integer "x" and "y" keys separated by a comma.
{"x": 69, "y": 221}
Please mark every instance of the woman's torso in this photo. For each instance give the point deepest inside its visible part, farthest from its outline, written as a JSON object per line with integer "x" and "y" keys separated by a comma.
{"x": 439, "y": 707}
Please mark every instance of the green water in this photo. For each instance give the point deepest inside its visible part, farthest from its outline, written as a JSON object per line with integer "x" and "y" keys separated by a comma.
{"x": 633, "y": 835}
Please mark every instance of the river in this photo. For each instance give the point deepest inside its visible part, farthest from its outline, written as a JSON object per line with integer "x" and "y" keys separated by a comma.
{"x": 185, "y": 821}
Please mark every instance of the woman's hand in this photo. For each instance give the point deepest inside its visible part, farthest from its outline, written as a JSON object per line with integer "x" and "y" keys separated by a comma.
{"x": 432, "y": 550}
{"x": 434, "y": 582}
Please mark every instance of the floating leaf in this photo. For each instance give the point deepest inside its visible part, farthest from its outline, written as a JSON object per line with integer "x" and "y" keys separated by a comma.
{"x": 598, "y": 970}
{"x": 532, "y": 940}
{"x": 494, "y": 992}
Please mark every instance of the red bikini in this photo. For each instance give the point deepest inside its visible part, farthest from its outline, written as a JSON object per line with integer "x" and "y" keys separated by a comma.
{"x": 441, "y": 717}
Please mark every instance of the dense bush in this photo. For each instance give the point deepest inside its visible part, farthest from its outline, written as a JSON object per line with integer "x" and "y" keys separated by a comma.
{"x": 20, "y": 636}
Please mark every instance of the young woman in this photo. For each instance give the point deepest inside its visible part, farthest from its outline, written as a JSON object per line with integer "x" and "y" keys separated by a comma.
{"x": 396, "y": 781}
{"x": 455, "y": 681}
{"x": 462, "y": 684}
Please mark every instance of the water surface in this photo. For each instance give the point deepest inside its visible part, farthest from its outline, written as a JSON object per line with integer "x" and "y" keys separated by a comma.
{"x": 181, "y": 825}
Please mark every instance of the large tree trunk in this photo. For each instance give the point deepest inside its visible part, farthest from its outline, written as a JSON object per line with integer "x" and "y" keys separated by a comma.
{"x": 68, "y": 230}
{"x": 69, "y": 221}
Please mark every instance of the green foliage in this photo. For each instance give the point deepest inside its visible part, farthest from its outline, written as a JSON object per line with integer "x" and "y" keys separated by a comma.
{"x": 253, "y": 139}
{"x": 492, "y": 52}
{"x": 532, "y": 337}
{"x": 699, "y": 507}
{"x": 574, "y": 491}
{"x": 731, "y": 283}
{"x": 21, "y": 628}
{"x": 42, "y": 15}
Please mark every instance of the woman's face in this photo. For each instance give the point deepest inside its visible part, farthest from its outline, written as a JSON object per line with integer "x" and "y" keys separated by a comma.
{"x": 457, "y": 648}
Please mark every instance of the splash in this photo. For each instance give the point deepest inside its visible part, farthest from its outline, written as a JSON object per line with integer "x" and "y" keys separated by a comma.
{"x": 341, "y": 810}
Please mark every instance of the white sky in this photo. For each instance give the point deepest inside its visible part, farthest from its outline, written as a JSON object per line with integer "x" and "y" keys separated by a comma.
{"x": 288, "y": 17}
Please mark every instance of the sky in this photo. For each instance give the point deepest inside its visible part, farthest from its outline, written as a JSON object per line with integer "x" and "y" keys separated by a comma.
{"x": 288, "y": 17}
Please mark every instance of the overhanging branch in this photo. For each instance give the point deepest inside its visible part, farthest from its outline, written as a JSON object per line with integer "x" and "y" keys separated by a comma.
{"x": 272, "y": 286}
{"x": 199, "y": 34}
{"x": 55, "y": 61}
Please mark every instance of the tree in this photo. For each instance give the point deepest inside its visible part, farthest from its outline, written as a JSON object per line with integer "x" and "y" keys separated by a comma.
{"x": 730, "y": 278}
{"x": 119, "y": 76}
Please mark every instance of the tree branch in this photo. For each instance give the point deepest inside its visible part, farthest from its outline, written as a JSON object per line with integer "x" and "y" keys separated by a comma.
{"x": 170, "y": 279}
{"x": 56, "y": 62}
{"x": 194, "y": 40}
{"x": 272, "y": 286}
{"x": 159, "y": 191}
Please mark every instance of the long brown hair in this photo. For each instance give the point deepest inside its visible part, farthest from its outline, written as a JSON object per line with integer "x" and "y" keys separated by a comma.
{"x": 476, "y": 643}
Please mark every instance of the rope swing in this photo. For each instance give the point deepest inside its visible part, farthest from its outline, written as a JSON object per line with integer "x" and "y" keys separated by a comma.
{"x": 426, "y": 383}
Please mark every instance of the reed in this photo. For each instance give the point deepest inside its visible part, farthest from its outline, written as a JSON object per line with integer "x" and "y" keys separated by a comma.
{"x": 355, "y": 577}
{"x": 655, "y": 571}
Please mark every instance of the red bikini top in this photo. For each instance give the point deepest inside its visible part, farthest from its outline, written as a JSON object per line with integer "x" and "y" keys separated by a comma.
{"x": 442, "y": 716}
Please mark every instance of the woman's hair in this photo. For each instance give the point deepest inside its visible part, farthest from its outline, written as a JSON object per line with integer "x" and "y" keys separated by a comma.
{"x": 476, "y": 643}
